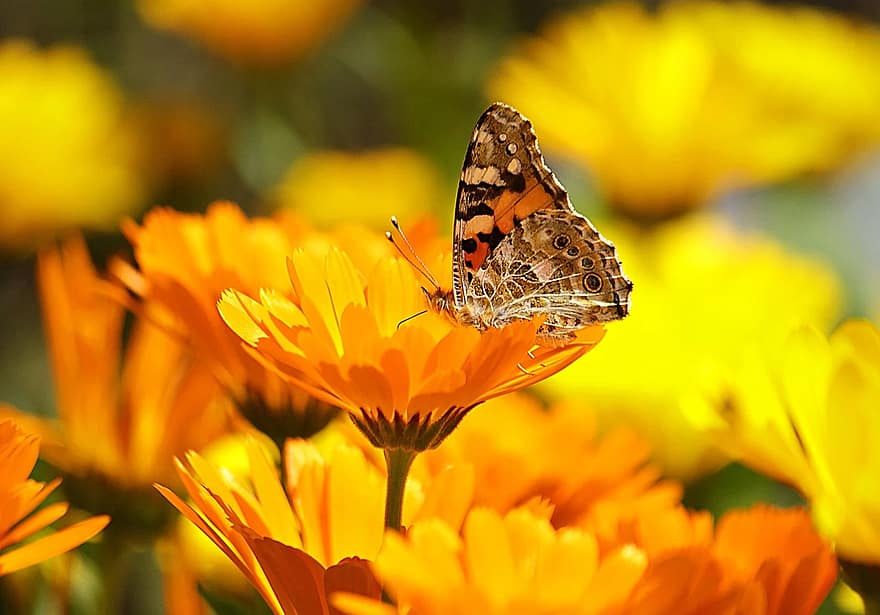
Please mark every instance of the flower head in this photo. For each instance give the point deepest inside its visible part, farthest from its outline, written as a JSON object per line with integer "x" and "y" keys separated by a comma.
{"x": 808, "y": 415}
{"x": 57, "y": 106}
{"x": 705, "y": 292}
{"x": 515, "y": 563}
{"x": 401, "y": 182}
{"x": 123, "y": 412}
{"x": 668, "y": 107}
{"x": 338, "y": 331}
{"x": 763, "y": 560}
{"x": 185, "y": 261}
{"x": 19, "y": 497}
{"x": 299, "y": 542}
{"x": 521, "y": 452}
{"x": 266, "y": 32}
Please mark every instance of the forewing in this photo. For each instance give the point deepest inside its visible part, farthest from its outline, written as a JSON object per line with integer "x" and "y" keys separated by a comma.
{"x": 503, "y": 181}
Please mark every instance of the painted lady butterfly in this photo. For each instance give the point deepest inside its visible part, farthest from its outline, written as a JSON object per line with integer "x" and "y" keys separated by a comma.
{"x": 520, "y": 249}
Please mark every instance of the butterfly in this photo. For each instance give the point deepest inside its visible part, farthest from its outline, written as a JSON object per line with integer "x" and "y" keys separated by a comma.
{"x": 520, "y": 249}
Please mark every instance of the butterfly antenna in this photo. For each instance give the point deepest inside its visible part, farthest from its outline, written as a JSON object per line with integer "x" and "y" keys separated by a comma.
{"x": 410, "y": 256}
{"x": 408, "y": 318}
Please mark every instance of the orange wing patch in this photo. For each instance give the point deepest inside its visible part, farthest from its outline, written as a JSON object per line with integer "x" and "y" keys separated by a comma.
{"x": 513, "y": 206}
{"x": 483, "y": 232}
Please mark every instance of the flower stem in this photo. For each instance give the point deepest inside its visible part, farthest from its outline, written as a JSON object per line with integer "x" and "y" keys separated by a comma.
{"x": 398, "y": 461}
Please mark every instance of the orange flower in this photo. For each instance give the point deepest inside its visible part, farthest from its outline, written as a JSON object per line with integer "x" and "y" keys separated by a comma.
{"x": 19, "y": 496}
{"x": 297, "y": 547}
{"x": 265, "y": 32}
{"x": 762, "y": 561}
{"x": 186, "y": 261}
{"x": 123, "y": 414}
{"x": 337, "y": 330}
{"x": 501, "y": 565}
{"x": 521, "y": 451}
{"x": 768, "y": 559}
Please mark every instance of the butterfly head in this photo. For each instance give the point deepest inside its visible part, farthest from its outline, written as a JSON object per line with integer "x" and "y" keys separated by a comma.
{"x": 440, "y": 301}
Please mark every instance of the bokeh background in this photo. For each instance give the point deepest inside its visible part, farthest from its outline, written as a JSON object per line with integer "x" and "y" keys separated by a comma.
{"x": 729, "y": 150}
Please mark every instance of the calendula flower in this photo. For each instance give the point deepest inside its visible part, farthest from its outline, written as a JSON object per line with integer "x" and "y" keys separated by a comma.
{"x": 20, "y": 496}
{"x": 265, "y": 32}
{"x": 521, "y": 452}
{"x": 185, "y": 261}
{"x": 515, "y": 563}
{"x": 333, "y": 329}
{"x": 808, "y": 415}
{"x": 300, "y": 542}
{"x": 123, "y": 413}
{"x": 770, "y": 560}
{"x": 706, "y": 290}
{"x": 668, "y": 107}
{"x": 760, "y": 561}
{"x": 208, "y": 564}
{"x": 340, "y": 334}
{"x": 401, "y": 182}
{"x": 57, "y": 106}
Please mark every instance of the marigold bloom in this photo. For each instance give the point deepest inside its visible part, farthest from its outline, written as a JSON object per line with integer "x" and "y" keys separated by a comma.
{"x": 264, "y": 32}
{"x": 401, "y": 182}
{"x": 336, "y": 331}
{"x": 19, "y": 496}
{"x": 668, "y": 107}
{"x": 123, "y": 414}
{"x": 56, "y": 107}
{"x": 186, "y": 261}
{"x": 808, "y": 416}
{"x": 761, "y": 561}
{"x": 286, "y": 540}
{"x": 509, "y": 564}
{"x": 705, "y": 292}
{"x": 522, "y": 452}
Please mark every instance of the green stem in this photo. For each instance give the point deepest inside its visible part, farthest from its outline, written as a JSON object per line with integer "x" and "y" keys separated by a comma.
{"x": 398, "y": 461}
{"x": 113, "y": 561}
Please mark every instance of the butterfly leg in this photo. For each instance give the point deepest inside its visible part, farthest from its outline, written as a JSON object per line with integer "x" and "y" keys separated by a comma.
{"x": 520, "y": 367}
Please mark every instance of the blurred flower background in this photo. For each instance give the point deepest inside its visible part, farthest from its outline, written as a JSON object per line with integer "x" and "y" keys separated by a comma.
{"x": 730, "y": 150}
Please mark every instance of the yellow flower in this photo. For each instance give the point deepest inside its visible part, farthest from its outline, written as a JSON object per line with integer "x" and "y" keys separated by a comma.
{"x": 264, "y": 32}
{"x": 378, "y": 184}
{"x": 808, "y": 415}
{"x": 321, "y": 527}
{"x": 759, "y": 561}
{"x": 123, "y": 413}
{"x": 668, "y": 107}
{"x": 336, "y": 331}
{"x": 67, "y": 156}
{"x": 704, "y": 291}
{"x": 186, "y": 261}
{"x": 509, "y": 564}
{"x": 19, "y": 496}
{"x": 201, "y": 558}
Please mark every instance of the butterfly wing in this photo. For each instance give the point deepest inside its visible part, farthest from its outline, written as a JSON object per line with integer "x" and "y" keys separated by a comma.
{"x": 503, "y": 181}
{"x": 556, "y": 264}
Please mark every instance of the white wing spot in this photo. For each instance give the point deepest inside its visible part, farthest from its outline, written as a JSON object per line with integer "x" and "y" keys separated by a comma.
{"x": 474, "y": 175}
